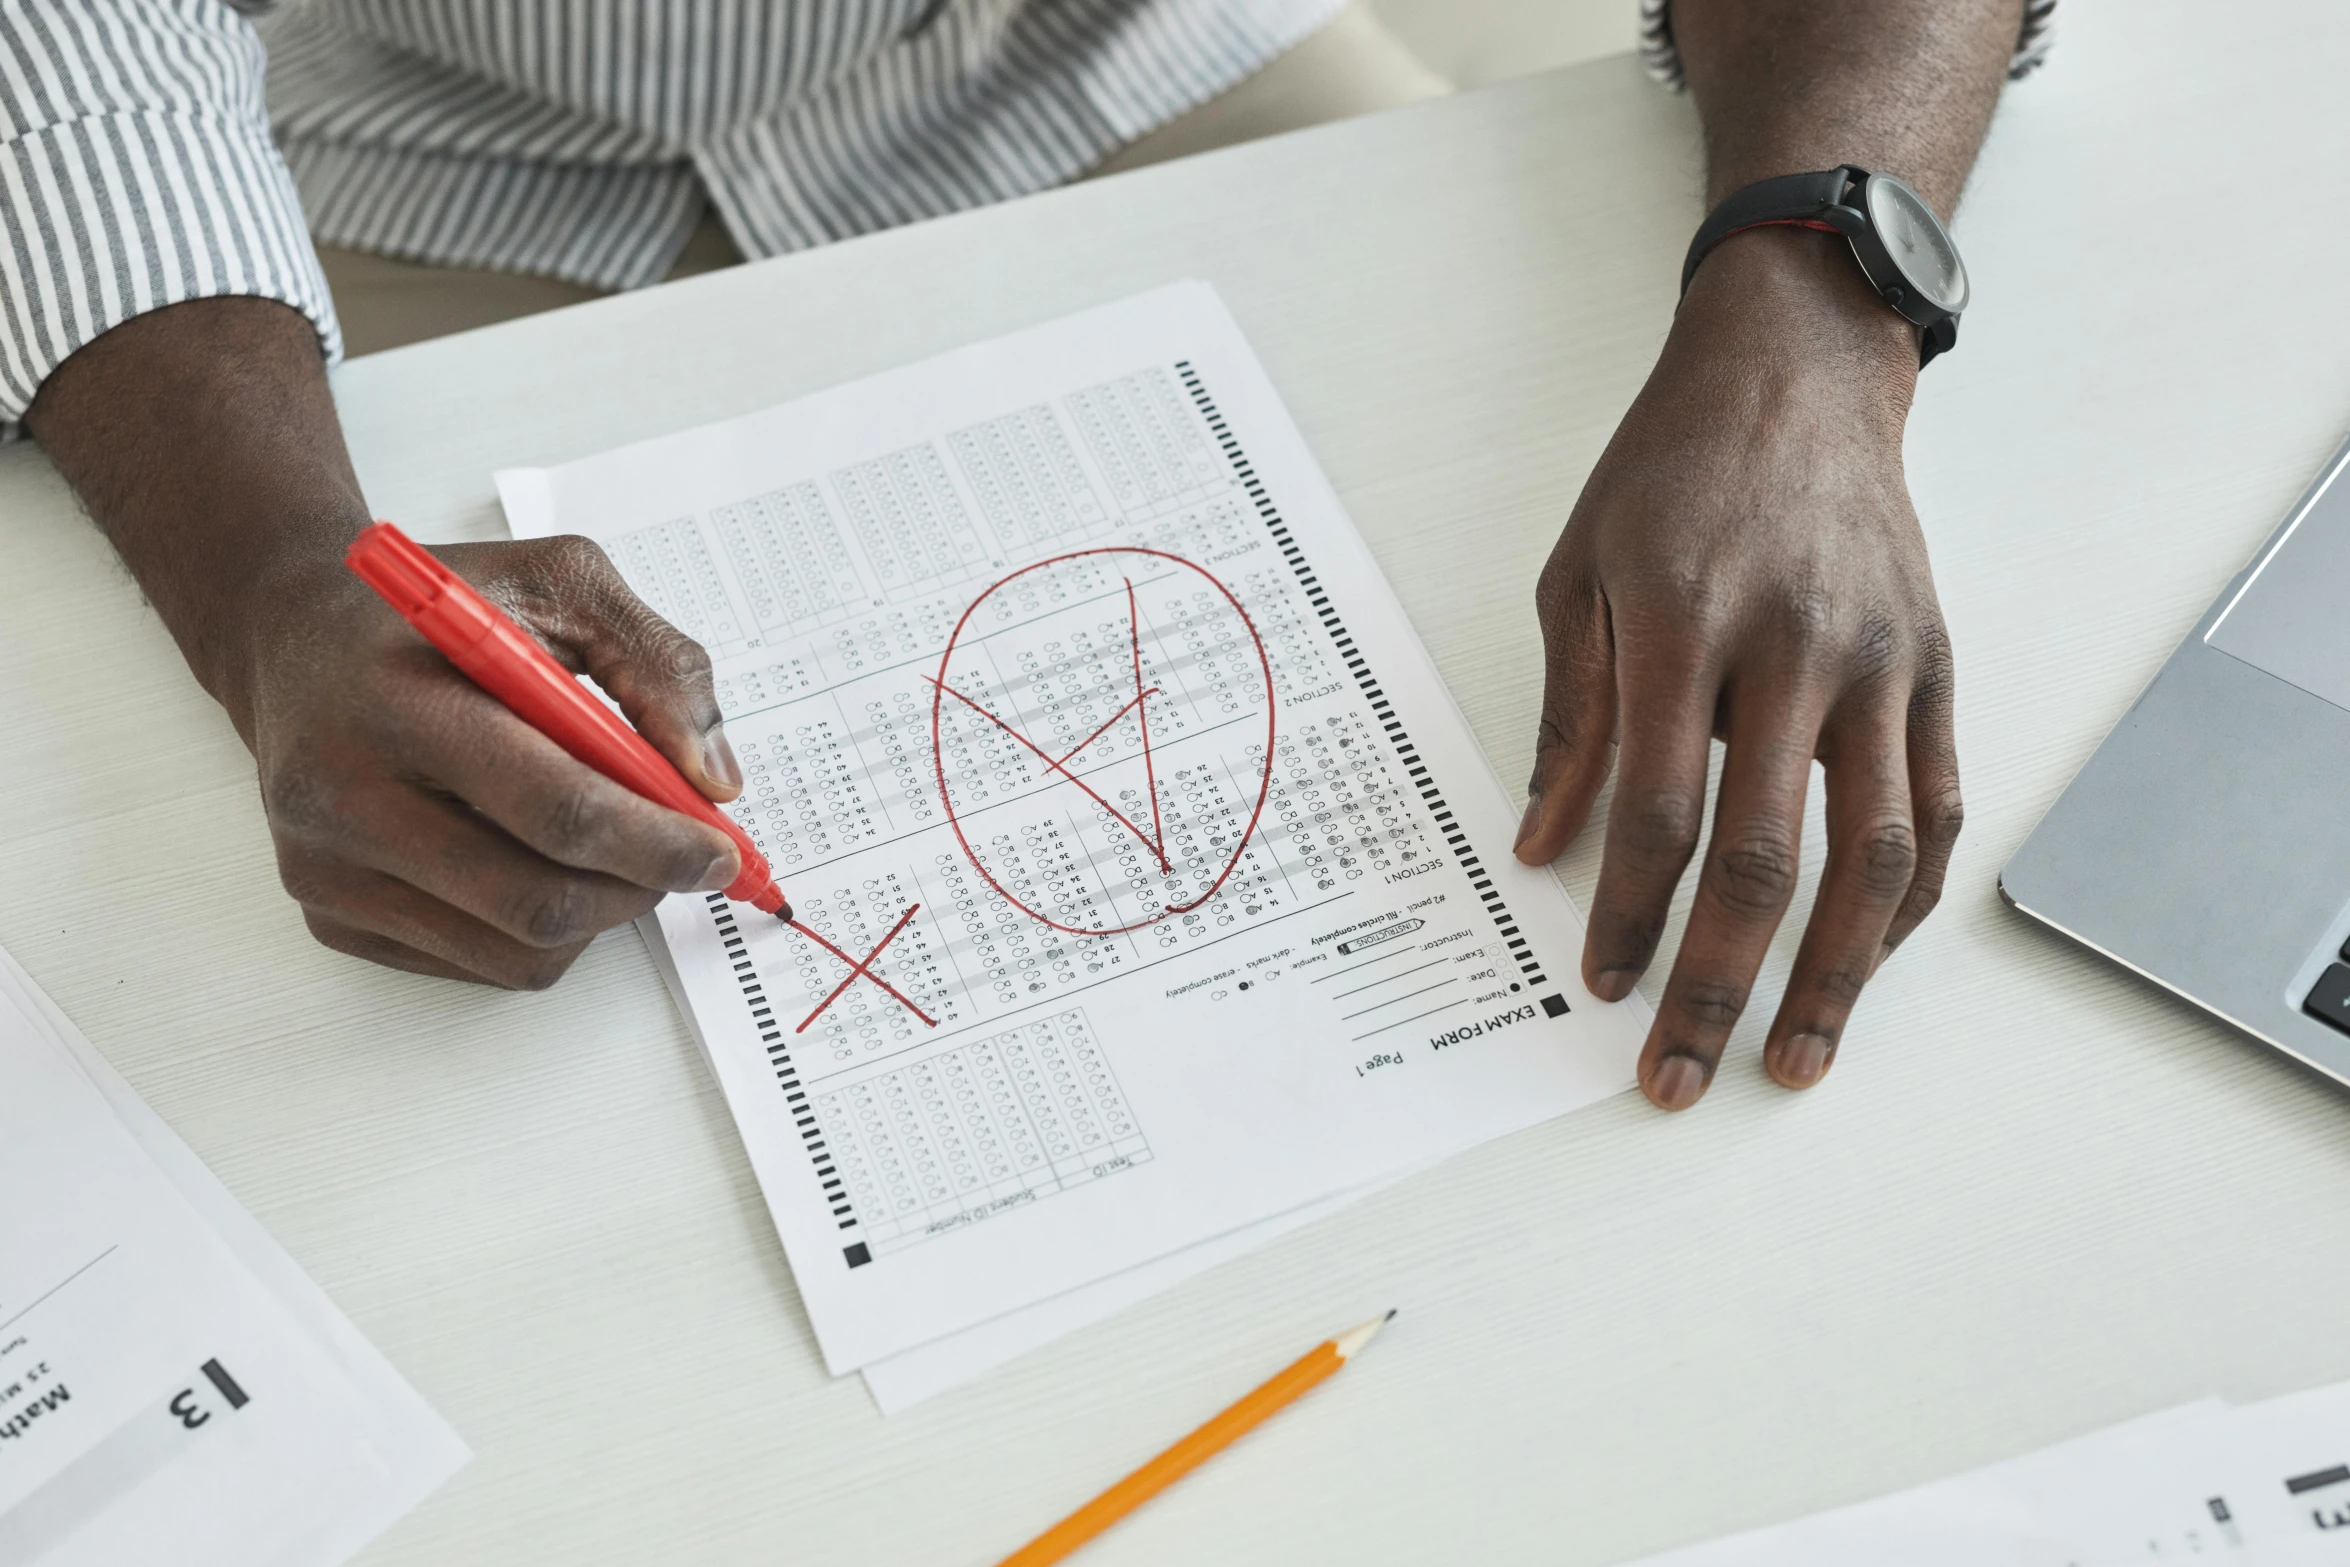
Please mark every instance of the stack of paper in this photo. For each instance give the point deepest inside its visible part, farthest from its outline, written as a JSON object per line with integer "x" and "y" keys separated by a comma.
{"x": 1153, "y": 896}
{"x": 2263, "y": 1483}
{"x": 172, "y": 1387}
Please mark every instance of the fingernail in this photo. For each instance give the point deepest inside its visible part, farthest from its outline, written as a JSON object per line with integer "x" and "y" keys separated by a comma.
{"x": 1883, "y": 953}
{"x": 1802, "y": 1060}
{"x": 1528, "y": 822}
{"x": 722, "y": 870}
{"x": 1613, "y": 984}
{"x": 1676, "y": 1082}
{"x": 718, "y": 758}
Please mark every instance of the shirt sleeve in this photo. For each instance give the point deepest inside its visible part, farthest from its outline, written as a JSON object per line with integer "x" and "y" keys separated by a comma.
{"x": 136, "y": 171}
{"x": 1663, "y": 58}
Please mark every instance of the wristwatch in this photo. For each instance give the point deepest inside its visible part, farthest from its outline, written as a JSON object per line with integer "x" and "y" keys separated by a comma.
{"x": 1903, "y": 249}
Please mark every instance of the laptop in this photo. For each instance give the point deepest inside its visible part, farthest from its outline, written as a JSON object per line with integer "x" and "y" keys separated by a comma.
{"x": 2207, "y": 843}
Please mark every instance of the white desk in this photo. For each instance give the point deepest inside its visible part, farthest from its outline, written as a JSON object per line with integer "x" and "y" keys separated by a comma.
{"x": 2034, "y": 1197}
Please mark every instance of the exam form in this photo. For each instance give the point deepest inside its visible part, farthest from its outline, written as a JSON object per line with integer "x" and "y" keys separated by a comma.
{"x": 1148, "y": 885}
{"x": 900, "y": 1381}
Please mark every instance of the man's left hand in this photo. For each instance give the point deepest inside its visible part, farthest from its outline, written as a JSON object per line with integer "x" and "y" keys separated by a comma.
{"x": 1744, "y": 564}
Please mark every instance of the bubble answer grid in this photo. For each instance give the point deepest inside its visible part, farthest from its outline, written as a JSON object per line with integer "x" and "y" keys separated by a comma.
{"x": 973, "y": 1132}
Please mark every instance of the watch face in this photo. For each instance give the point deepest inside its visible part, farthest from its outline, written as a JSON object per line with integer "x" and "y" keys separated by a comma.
{"x": 1917, "y": 242}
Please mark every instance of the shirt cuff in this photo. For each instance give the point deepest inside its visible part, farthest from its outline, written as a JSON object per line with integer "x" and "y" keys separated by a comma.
{"x": 104, "y": 217}
{"x": 1663, "y": 58}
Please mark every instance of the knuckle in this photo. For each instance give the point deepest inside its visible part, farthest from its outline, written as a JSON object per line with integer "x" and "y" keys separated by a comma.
{"x": 1933, "y": 638}
{"x": 1557, "y": 737}
{"x": 1623, "y": 939}
{"x": 1887, "y": 856}
{"x": 1662, "y": 822}
{"x": 1712, "y": 1003}
{"x": 1689, "y": 584}
{"x": 557, "y": 576}
{"x": 570, "y": 825}
{"x": 1876, "y": 647}
{"x": 1677, "y": 603}
{"x": 300, "y": 799}
{"x": 1945, "y": 819}
{"x": 1840, "y": 985}
{"x": 1754, "y": 876}
{"x": 573, "y": 557}
{"x": 679, "y": 659}
{"x": 308, "y": 882}
{"x": 1806, "y": 615}
{"x": 1936, "y": 681}
{"x": 1560, "y": 590}
{"x": 1552, "y": 590}
{"x": 556, "y": 914}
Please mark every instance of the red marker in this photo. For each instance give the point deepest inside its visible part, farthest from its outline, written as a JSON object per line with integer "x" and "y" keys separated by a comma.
{"x": 507, "y": 662}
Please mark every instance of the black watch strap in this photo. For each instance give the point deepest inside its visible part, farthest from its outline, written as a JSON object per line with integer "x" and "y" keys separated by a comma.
{"x": 1796, "y": 199}
{"x": 1831, "y": 200}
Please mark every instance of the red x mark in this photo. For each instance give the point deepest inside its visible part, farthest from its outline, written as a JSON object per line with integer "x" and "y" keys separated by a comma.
{"x": 1156, "y": 839}
{"x": 865, "y": 968}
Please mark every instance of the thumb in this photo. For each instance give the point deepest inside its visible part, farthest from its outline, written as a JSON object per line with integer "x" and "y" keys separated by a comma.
{"x": 1572, "y": 751}
{"x": 658, "y": 674}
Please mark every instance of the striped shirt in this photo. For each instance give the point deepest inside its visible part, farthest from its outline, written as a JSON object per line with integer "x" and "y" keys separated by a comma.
{"x": 579, "y": 139}
{"x": 153, "y": 151}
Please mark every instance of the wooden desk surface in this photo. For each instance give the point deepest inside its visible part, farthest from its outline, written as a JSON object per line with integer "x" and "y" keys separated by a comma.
{"x": 2036, "y": 1196}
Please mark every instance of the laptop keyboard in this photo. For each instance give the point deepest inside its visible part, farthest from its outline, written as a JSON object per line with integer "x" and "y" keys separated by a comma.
{"x": 2329, "y": 999}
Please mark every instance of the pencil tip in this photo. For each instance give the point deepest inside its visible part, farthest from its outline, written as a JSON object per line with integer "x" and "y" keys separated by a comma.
{"x": 1348, "y": 1343}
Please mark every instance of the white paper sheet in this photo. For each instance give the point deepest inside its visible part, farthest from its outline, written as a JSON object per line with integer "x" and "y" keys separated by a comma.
{"x": 900, "y": 1381}
{"x": 906, "y": 1378}
{"x": 171, "y": 1386}
{"x": 1002, "y": 638}
{"x": 2264, "y": 1483}
{"x": 2275, "y": 1473}
{"x": 2002, "y": 1514}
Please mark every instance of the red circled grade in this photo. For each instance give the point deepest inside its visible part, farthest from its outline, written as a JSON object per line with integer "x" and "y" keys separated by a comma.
{"x": 1151, "y": 835}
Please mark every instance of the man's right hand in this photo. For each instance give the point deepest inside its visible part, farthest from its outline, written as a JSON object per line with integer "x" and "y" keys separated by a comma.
{"x": 418, "y": 822}
{"x": 422, "y": 825}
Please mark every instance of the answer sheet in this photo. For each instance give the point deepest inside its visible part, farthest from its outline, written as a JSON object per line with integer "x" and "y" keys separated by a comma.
{"x": 172, "y": 1388}
{"x": 1148, "y": 884}
{"x": 902, "y": 1380}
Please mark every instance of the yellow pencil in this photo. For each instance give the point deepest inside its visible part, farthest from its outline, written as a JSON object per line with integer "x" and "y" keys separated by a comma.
{"x": 1284, "y": 1386}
